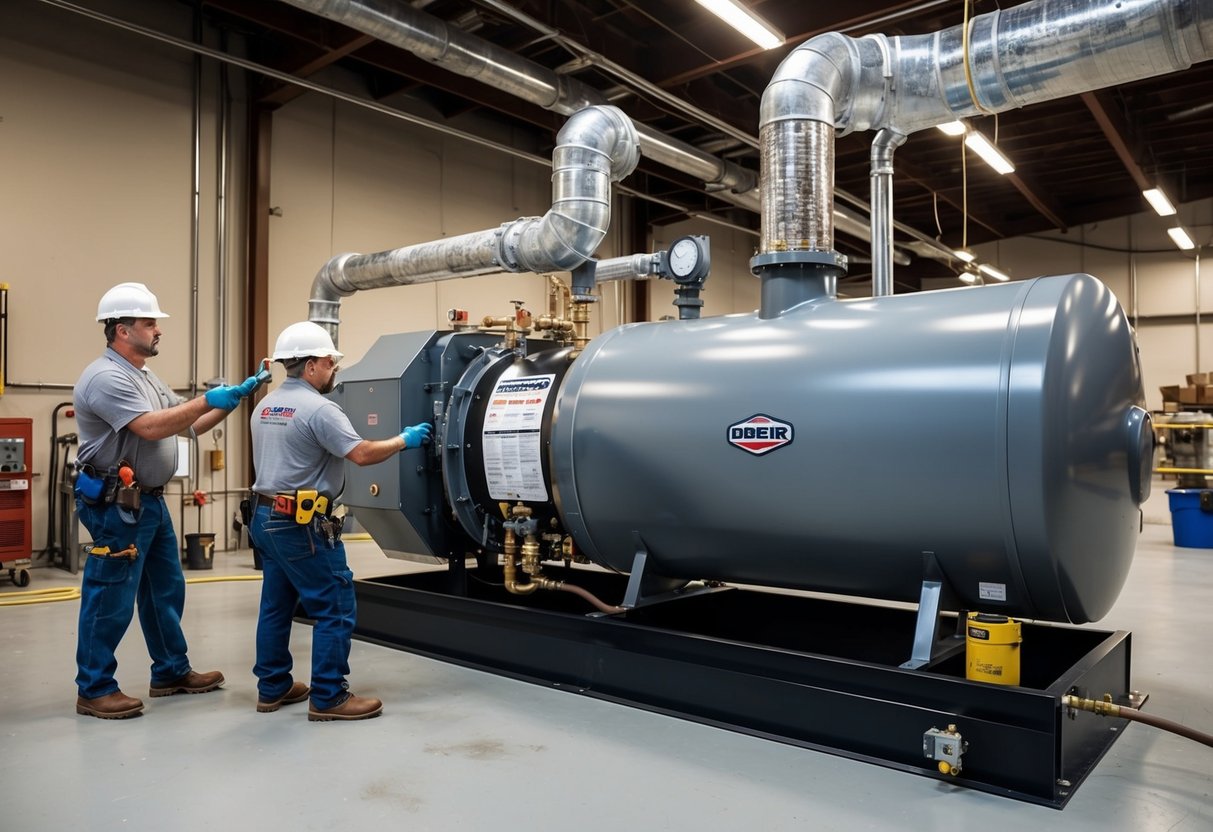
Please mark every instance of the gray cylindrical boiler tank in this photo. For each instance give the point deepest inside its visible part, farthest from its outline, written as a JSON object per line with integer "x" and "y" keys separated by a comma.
{"x": 1000, "y": 429}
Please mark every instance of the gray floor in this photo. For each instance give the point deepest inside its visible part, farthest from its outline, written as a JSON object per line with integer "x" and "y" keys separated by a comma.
{"x": 461, "y": 749}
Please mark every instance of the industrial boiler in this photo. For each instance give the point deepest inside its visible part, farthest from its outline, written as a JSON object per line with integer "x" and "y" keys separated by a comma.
{"x": 787, "y": 522}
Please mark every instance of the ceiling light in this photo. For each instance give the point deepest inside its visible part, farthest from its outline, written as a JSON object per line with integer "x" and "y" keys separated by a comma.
{"x": 745, "y": 21}
{"x": 990, "y": 271}
{"x": 964, "y": 254}
{"x": 1159, "y": 202}
{"x": 969, "y": 277}
{"x": 953, "y": 128}
{"x": 984, "y": 148}
{"x": 1181, "y": 238}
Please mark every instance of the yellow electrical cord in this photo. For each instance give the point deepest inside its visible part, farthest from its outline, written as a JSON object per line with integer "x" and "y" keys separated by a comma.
{"x": 71, "y": 593}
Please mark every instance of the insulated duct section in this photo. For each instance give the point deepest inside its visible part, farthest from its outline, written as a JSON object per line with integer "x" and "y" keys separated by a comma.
{"x": 597, "y": 146}
{"x": 1035, "y": 52}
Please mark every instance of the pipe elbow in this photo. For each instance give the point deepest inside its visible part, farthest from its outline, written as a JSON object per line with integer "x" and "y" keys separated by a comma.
{"x": 812, "y": 82}
{"x": 831, "y": 78}
{"x": 606, "y": 130}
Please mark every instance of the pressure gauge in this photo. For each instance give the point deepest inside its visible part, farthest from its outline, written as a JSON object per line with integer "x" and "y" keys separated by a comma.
{"x": 687, "y": 259}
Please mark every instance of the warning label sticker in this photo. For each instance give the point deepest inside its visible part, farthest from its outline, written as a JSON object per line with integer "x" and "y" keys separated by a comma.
{"x": 991, "y": 591}
{"x": 511, "y": 438}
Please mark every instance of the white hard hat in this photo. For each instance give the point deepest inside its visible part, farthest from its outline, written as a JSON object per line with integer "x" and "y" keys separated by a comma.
{"x": 305, "y": 340}
{"x": 129, "y": 300}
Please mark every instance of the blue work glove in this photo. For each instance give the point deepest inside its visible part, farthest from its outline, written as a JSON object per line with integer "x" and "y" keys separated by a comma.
{"x": 225, "y": 398}
{"x": 415, "y": 435}
{"x": 250, "y": 384}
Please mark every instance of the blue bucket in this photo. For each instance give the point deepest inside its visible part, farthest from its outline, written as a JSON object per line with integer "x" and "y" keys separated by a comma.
{"x": 1192, "y": 517}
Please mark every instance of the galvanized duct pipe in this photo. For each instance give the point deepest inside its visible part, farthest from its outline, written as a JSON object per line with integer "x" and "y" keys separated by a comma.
{"x": 883, "y": 145}
{"x": 1035, "y": 52}
{"x": 597, "y": 146}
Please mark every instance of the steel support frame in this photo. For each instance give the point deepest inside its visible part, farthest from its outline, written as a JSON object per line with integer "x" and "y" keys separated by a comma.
{"x": 731, "y": 660}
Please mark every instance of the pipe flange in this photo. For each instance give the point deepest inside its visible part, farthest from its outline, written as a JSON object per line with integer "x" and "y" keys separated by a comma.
{"x": 831, "y": 261}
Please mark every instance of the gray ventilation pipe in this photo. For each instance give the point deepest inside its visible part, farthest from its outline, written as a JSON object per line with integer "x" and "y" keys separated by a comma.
{"x": 596, "y": 147}
{"x": 1035, "y": 52}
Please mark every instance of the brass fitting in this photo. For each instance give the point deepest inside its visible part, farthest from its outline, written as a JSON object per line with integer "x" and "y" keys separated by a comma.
{"x": 530, "y": 558}
{"x": 516, "y": 326}
{"x": 1103, "y": 707}
{"x": 558, "y": 293}
{"x": 580, "y": 316}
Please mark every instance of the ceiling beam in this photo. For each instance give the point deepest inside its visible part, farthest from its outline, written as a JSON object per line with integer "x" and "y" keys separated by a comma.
{"x": 289, "y": 92}
{"x": 1117, "y": 131}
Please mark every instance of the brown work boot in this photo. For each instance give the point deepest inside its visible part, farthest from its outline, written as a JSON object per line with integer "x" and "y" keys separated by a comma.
{"x": 116, "y": 705}
{"x": 189, "y": 683}
{"x": 352, "y": 707}
{"x": 298, "y": 692}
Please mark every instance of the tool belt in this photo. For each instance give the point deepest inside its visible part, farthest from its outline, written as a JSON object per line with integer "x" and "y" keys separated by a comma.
{"x": 303, "y": 505}
{"x": 114, "y": 486}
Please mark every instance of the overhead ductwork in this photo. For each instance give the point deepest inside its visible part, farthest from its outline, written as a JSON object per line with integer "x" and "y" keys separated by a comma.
{"x": 596, "y": 147}
{"x": 451, "y": 48}
{"x": 1035, "y": 52}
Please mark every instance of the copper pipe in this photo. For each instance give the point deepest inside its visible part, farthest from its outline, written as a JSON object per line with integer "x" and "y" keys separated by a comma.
{"x": 589, "y": 596}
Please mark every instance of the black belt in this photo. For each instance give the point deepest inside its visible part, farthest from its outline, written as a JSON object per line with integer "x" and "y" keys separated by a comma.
{"x": 152, "y": 492}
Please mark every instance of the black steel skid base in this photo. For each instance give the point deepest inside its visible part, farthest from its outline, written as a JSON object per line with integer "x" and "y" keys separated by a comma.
{"x": 817, "y": 673}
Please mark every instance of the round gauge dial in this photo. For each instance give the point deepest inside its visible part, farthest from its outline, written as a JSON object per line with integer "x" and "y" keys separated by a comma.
{"x": 684, "y": 257}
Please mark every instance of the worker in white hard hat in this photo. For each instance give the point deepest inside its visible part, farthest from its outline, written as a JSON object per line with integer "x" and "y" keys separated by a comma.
{"x": 128, "y": 421}
{"x": 300, "y": 442}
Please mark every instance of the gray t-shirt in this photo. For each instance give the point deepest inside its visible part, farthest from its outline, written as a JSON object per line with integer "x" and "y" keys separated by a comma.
{"x": 300, "y": 440}
{"x": 109, "y": 395}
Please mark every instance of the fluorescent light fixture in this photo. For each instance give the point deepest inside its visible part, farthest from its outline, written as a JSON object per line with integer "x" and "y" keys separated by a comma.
{"x": 967, "y": 276}
{"x": 953, "y": 128}
{"x": 990, "y": 271}
{"x": 964, "y": 254}
{"x": 984, "y": 148}
{"x": 745, "y": 21}
{"x": 1181, "y": 238}
{"x": 1159, "y": 202}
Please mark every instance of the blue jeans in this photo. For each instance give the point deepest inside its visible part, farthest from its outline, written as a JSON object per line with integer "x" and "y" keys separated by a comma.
{"x": 111, "y": 587}
{"x": 300, "y": 566}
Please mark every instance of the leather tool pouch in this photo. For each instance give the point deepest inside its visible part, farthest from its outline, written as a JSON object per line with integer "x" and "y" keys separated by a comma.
{"x": 246, "y": 511}
{"x": 127, "y": 498}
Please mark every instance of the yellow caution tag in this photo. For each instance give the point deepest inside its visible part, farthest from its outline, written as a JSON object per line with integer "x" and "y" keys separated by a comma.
{"x": 99, "y": 550}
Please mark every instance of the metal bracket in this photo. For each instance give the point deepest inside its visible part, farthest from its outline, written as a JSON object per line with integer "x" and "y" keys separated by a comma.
{"x": 932, "y": 641}
{"x": 644, "y": 588}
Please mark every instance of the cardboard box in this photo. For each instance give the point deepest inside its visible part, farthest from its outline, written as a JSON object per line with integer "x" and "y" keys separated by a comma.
{"x": 1204, "y": 394}
{"x": 1198, "y": 379}
{"x": 1189, "y": 395}
{"x": 1170, "y": 393}
{"x": 1170, "y": 407}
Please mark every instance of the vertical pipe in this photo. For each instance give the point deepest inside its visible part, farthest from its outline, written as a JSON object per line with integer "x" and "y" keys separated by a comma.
{"x": 221, "y": 244}
{"x": 1197, "y": 275}
{"x": 883, "y": 146}
{"x": 195, "y": 207}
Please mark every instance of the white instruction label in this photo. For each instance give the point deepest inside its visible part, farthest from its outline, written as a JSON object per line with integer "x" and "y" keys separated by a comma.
{"x": 14, "y": 485}
{"x": 991, "y": 591}
{"x": 513, "y": 452}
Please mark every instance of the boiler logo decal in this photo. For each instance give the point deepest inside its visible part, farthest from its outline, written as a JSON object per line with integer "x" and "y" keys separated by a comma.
{"x": 760, "y": 434}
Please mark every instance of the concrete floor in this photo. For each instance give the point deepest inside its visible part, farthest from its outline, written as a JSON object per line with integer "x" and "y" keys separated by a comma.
{"x": 462, "y": 749}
